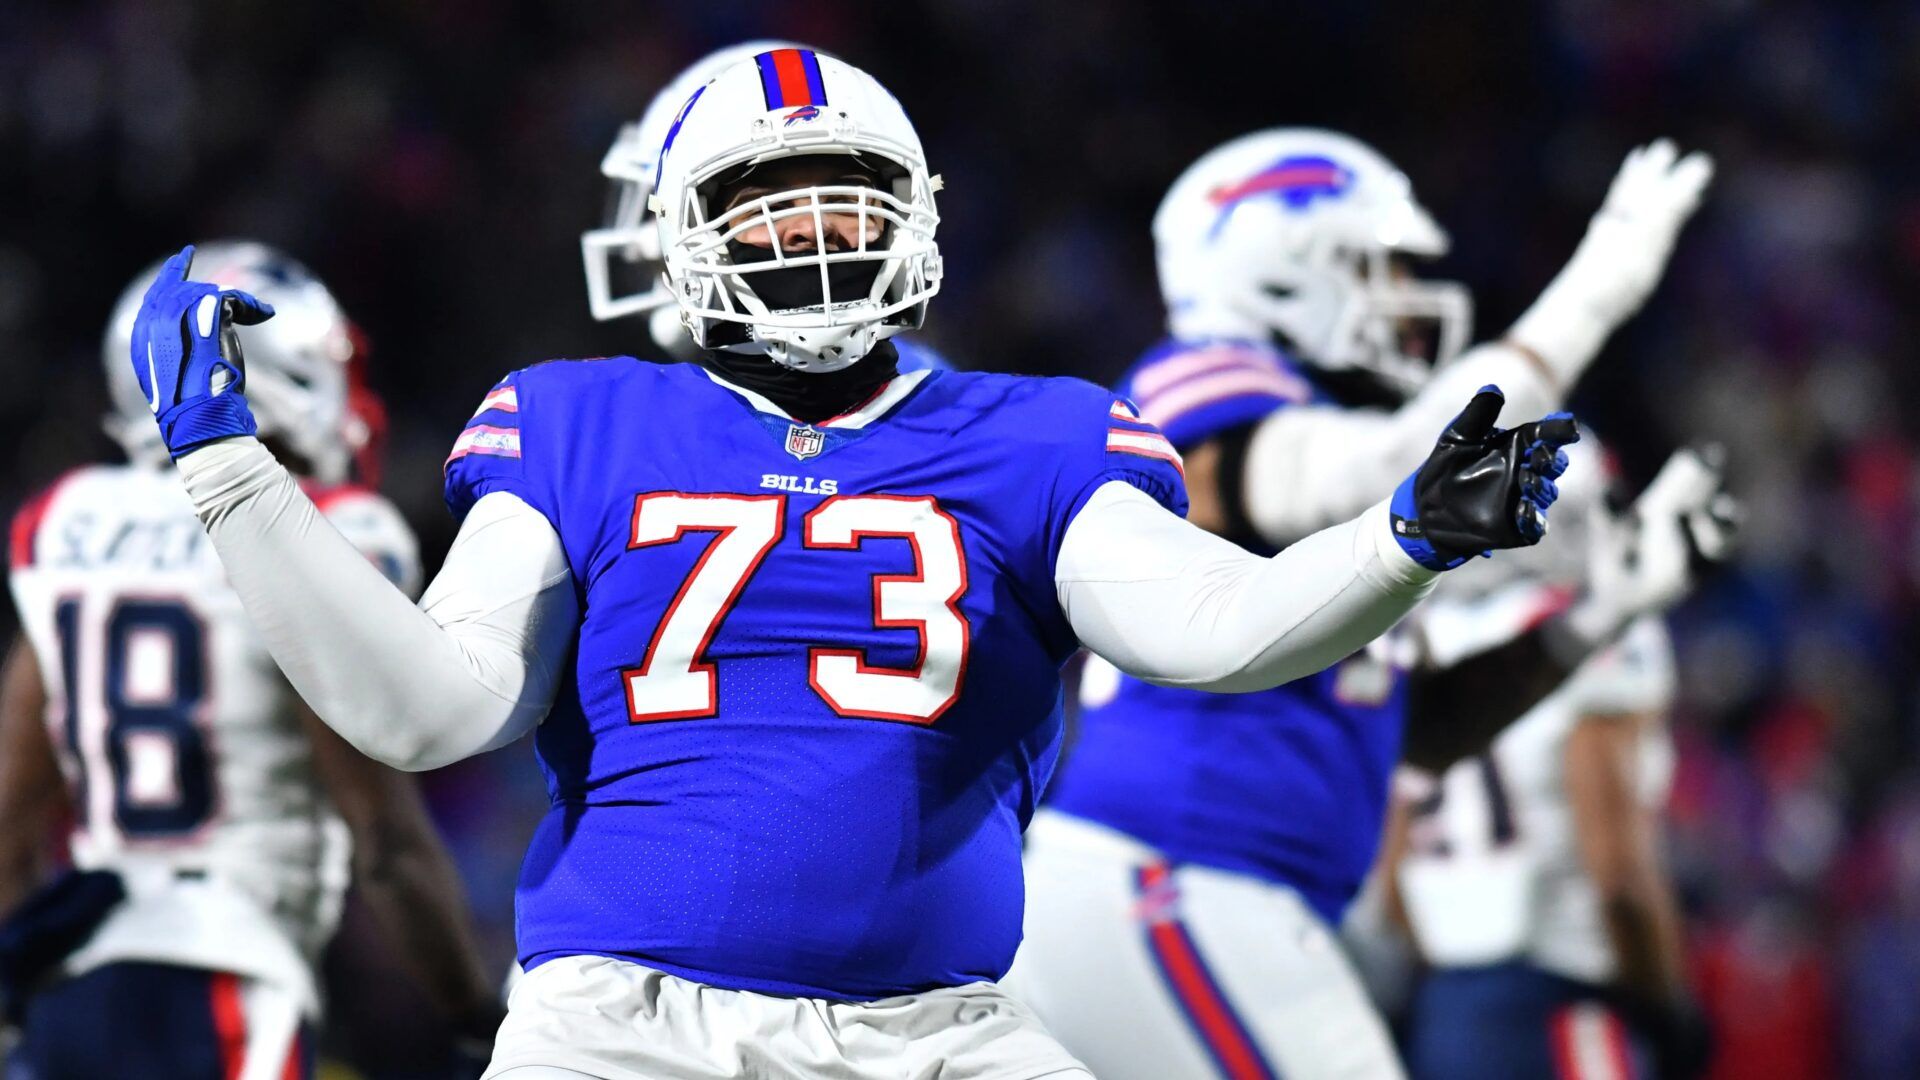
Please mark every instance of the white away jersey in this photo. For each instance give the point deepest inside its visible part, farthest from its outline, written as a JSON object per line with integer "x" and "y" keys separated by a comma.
{"x": 1493, "y": 871}
{"x": 189, "y": 770}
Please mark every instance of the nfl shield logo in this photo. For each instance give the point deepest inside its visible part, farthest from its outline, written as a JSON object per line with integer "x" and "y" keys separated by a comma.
{"x": 804, "y": 442}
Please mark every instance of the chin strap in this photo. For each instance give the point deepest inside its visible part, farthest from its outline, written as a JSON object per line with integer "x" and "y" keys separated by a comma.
{"x": 808, "y": 397}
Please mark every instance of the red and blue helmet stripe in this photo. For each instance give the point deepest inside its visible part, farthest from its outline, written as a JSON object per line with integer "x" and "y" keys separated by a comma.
{"x": 791, "y": 78}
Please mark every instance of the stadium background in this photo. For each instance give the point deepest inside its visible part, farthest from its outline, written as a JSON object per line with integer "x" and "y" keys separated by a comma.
{"x": 435, "y": 161}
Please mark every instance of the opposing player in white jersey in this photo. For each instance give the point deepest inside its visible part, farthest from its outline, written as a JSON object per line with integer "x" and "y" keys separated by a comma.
{"x": 626, "y": 270}
{"x": 1530, "y": 874}
{"x": 214, "y": 824}
{"x": 1196, "y": 853}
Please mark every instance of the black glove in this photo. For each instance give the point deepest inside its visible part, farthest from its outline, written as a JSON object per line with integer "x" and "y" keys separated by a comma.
{"x": 1483, "y": 487}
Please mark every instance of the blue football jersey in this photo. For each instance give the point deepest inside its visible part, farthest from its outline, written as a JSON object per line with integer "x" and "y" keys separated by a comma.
{"x": 816, "y": 688}
{"x": 1289, "y": 784}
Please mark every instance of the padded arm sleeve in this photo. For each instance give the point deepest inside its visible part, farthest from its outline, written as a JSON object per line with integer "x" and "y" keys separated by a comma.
{"x": 1169, "y": 602}
{"x": 1309, "y": 466}
{"x": 474, "y": 667}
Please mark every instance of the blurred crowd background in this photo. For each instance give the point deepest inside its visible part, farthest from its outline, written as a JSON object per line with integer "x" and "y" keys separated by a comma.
{"x": 435, "y": 160}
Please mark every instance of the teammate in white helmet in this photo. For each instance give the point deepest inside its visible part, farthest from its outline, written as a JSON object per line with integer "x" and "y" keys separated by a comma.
{"x": 1531, "y": 873}
{"x": 626, "y": 271}
{"x": 1197, "y": 853}
{"x": 215, "y": 824}
{"x": 789, "y": 622}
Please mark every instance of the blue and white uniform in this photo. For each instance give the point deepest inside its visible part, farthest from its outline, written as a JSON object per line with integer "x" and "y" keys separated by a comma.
{"x": 1188, "y": 869}
{"x": 796, "y": 686}
{"x": 812, "y": 778}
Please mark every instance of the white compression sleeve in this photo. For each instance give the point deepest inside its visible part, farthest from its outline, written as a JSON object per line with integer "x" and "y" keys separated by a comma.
{"x": 1310, "y": 466}
{"x": 474, "y": 667}
{"x": 1171, "y": 603}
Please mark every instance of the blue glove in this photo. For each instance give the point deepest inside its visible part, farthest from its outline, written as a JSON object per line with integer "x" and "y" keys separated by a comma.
{"x": 1483, "y": 487}
{"x": 187, "y": 357}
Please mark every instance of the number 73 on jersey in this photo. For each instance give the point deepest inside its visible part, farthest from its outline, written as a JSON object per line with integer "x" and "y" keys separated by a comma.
{"x": 674, "y": 680}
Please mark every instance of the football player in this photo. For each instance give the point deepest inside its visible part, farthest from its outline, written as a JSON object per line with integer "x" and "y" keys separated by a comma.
{"x": 789, "y": 622}
{"x": 1531, "y": 873}
{"x": 1187, "y": 875}
{"x": 626, "y": 273}
{"x": 214, "y": 822}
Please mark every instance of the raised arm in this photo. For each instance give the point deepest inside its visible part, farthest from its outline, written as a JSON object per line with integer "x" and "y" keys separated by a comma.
{"x": 1169, "y": 602}
{"x": 474, "y": 667}
{"x": 1306, "y": 467}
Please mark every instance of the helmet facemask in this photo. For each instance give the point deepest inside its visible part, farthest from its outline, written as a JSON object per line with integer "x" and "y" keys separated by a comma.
{"x": 625, "y": 271}
{"x": 622, "y": 256}
{"x": 1304, "y": 237}
{"x": 1393, "y": 326}
{"x": 813, "y": 275}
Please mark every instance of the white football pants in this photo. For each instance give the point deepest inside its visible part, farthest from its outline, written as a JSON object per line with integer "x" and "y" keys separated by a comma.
{"x": 596, "y": 1018}
{"x": 1150, "y": 971}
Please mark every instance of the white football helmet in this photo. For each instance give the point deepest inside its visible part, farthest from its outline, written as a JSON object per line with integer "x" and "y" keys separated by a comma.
{"x": 790, "y": 103}
{"x": 627, "y": 246}
{"x": 296, "y": 362}
{"x": 1291, "y": 234}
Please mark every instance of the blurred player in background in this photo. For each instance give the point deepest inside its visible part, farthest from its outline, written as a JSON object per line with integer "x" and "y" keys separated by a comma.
{"x": 626, "y": 273}
{"x": 790, "y": 622}
{"x": 214, "y": 822}
{"x": 1189, "y": 870}
{"x": 1531, "y": 874}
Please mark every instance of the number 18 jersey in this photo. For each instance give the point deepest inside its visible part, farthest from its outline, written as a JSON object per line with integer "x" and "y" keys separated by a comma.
{"x": 189, "y": 771}
{"x": 816, "y": 688}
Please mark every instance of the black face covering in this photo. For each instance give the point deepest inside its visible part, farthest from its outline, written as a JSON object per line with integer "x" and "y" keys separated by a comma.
{"x": 809, "y": 397}
{"x": 799, "y": 286}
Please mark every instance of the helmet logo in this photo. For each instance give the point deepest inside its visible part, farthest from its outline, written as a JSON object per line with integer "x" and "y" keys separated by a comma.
{"x": 804, "y": 441}
{"x": 804, "y": 112}
{"x": 667, "y": 144}
{"x": 1297, "y": 181}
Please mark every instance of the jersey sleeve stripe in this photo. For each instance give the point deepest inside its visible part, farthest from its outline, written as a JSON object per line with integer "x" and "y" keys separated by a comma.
{"x": 1220, "y": 386}
{"x": 1159, "y": 377}
{"x": 1146, "y": 445}
{"x": 502, "y": 399}
{"x": 1139, "y": 442}
{"x": 1133, "y": 424}
{"x": 486, "y": 439}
